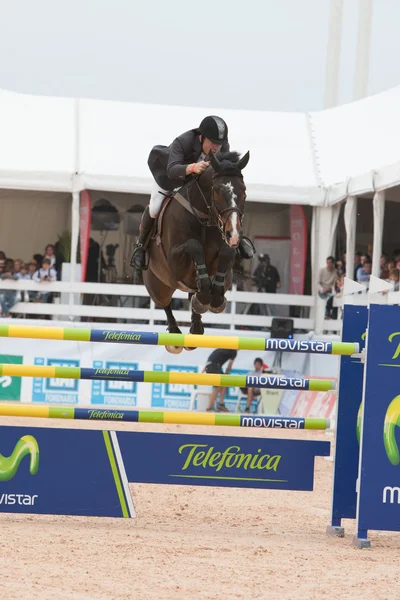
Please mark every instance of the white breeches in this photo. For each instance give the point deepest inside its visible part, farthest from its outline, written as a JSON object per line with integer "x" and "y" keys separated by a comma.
{"x": 156, "y": 199}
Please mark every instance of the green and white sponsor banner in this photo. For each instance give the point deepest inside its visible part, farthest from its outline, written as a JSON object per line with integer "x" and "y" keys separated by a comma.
{"x": 10, "y": 387}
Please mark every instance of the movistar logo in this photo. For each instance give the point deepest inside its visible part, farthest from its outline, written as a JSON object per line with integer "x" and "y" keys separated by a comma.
{"x": 392, "y": 420}
{"x": 9, "y": 464}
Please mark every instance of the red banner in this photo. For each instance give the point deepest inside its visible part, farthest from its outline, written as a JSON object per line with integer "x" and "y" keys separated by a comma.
{"x": 314, "y": 404}
{"x": 298, "y": 249}
{"x": 85, "y": 211}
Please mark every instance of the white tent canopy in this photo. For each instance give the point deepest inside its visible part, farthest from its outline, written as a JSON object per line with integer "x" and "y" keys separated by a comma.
{"x": 58, "y": 144}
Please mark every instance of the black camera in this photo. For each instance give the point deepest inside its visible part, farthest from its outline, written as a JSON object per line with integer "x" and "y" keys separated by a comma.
{"x": 110, "y": 251}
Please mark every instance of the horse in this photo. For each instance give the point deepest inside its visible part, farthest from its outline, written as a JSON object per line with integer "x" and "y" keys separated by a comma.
{"x": 193, "y": 244}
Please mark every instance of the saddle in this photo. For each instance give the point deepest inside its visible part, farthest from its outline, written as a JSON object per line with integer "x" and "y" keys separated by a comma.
{"x": 156, "y": 230}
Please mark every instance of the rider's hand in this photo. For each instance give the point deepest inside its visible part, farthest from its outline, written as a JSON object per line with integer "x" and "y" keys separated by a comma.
{"x": 200, "y": 167}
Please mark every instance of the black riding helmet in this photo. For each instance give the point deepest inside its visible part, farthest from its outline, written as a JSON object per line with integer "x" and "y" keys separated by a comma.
{"x": 215, "y": 129}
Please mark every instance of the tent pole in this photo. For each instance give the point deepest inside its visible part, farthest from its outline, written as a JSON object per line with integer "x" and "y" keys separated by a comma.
{"x": 332, "y": 73}
{"x": 361, "y": 75}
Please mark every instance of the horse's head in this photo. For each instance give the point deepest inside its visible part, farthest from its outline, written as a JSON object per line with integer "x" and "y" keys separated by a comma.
{"x": 229, "y": 194}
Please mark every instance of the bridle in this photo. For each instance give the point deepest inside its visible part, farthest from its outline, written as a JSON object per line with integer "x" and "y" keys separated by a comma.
{"x": 214, "y": 216}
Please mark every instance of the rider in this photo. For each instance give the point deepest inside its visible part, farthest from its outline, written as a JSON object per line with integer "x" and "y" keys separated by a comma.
{"x": 171, "y": 167}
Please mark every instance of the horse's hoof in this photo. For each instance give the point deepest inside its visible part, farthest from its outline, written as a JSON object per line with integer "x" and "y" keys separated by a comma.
{"x": 174, "y": 349}
{"x": 189, "y": 349}
{"x": 197, "y": 307}
{"x": 218, "y": 309}
{"x": 197, "y": 329}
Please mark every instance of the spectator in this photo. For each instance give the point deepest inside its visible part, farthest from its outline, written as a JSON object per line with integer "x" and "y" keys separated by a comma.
{"x": 45, "y": 273}
{"x": 365, "y": 257}
{"x": 32, "y": 268}
{"x": 396, "y": 255}
{"x": 50, "y": 253}
{"x": 364, "y": 274}
{"x": 340, "y": 269}
{"x": 383, "y": 265}
{"x": 394, "y": 278}
{"x": 9, "y": 266}
{"x": 344, "y": 262}
{"x": 7, "y": 297}
{"x": 214, "y": 365}
{"x": 18, "y": 264}
{"x": 390, "y": 265}
{"x": 357, "y": 264}
{"x": 2, "y": 265}
{"x": 326, "y": 278}
{"x": 266, "y": 278}
{"x": 37, "y": 258}
{"x": 23, "y": 272}
{"x": 55, "y": 257}
{"x": 254, "y": 392}
{"x": 331, "y": 311}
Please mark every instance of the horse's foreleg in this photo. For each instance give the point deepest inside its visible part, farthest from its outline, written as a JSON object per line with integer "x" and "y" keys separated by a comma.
{"x": 200, "y": 301}
{"x": 225, "y": 262}
{"x": 172, "y": 327}
{"x": 196, "y": 325}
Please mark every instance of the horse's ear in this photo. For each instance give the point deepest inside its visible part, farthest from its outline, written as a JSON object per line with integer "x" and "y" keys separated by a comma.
{"x": 214, "y": 162}
{"x": 243, "y": 161}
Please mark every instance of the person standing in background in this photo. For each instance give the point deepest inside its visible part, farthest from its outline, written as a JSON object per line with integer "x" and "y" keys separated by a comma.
{"x": 214, "y": 365}
{"x": 266, "y": 278}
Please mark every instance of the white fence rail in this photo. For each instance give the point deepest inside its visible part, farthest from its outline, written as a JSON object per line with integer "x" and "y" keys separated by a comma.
{"x": 121, "y": 302}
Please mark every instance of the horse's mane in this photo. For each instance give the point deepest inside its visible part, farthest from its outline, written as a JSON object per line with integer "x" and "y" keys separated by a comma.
{"x": 230, "y": 156}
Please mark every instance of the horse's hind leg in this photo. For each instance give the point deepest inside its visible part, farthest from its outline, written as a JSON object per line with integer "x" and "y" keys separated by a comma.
{"x": 196, "y": 327}
{"x": 172, "y": 327}
{"x": 161, "y": 295}
{"x": 225, "y": 261}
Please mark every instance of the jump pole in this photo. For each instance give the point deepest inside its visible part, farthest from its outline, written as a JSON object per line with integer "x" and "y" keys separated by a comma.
{"x": 170, "y": 417}
{"x": 262, "y": 381}
{"x": 178, "y": 339}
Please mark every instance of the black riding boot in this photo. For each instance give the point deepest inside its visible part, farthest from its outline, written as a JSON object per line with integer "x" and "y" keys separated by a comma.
{"x": 138, "y": 260}
{"x": 246, "y": 248}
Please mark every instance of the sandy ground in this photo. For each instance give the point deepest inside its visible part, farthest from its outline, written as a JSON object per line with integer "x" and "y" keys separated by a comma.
{"x": 190, "y": 543}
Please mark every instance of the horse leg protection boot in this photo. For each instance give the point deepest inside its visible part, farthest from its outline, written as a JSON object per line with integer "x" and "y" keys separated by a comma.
{"x": 138, "y": 260}
{"x": 246, "y": 248}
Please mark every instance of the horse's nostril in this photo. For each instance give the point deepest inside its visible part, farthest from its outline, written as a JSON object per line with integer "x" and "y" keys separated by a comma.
{"x": 229, "y": 234}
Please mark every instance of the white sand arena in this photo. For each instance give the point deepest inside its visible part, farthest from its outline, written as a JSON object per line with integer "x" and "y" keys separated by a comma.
{"x": 197, "y": 543}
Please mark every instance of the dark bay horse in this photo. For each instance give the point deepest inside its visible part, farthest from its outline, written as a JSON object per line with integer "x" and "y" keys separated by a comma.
{"x": 194, "y": 244}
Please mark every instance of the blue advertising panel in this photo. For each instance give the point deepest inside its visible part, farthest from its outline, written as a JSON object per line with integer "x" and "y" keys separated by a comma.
{"x": 55, "y": 390}
{"x": 61, "y": 471}
{"x": 172, "y": 395}
{"x": 379, "y": 486}
{"x": 119, "y": 393}
{"x": 223, "y": 461}
{"x": 86, "y": 472}
{"x": 349, "y": 399}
